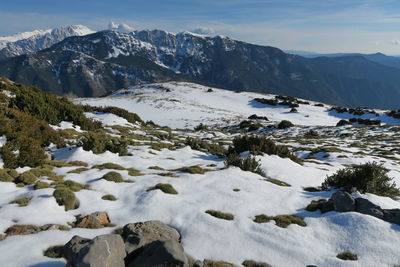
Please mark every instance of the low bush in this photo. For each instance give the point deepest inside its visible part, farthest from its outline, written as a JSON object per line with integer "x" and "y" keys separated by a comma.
{"x": 72, "y": 185}
{"x": 113, "y": 177}
{"x": 347, "y": 256}
{"x": 282, "y": 221}
{"x": 257, "y": 145}
{"x": 220, "y": 215}
{"x": 22, "y": 202}
{"x": 248, "y": 164}
{"x": 109, "y": 165}
{"x": 251, "y": 263}
{"x": 8, "y": 175}
{"x": 370, "y": 177}
{"x": 26, "y": 178}
{"x": 191, "y": 169}
{"x": 109, "y": 197}
{"x": 285, "y": 124}
{"x": 41, "y": 185}
{"x": 64, "y": 196}
{"x": 204, "y": 146}
{"x": 99, "y": 142}
{"x": 166, "y": 188}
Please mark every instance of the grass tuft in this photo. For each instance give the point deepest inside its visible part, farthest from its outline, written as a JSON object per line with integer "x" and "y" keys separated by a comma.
{"x": 220, "y": 215}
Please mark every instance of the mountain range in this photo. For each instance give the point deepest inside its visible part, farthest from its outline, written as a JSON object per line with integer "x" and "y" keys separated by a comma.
{"x": 93, "y": 64}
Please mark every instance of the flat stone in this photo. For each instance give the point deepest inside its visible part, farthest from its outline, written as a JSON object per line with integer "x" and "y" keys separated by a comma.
{"x": 139, "y": 234}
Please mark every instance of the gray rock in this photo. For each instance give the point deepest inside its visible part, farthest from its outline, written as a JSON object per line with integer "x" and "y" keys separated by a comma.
{"x": 74, "y": 245}
{"x": 392, "y": 216}
{"x": 159, "y": 253}
{"x": 367, "y": 207}
{"x": 139, "y": 234}
{"x": 343, "y": 201}
{"x": 102, "y": 251}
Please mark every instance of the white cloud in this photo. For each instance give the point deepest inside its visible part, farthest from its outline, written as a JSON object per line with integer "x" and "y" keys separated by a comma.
{"x": 204, "y": 30}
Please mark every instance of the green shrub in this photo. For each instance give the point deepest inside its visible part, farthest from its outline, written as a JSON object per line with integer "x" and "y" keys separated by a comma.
{"x": 247, "y": 164}
{"x": 204, "y": 146}
{"x": 64, "y": 196}
{"x": 134, "y": 172}
{"x": 26, "y": 138}
{"x": 109, "y": 197}
{"x": 26, "y": 178}
{"x": 257, "y": 145}
{"x": 370, "y": 177}
{"x": 166, "y": 188}
{"x": 285, "y": 220}
{"x": 191, "y": 169}
{"x": 220, "y": 215}
{"x": 251, "y": 263}
{"x": 41, "y": 185}
{"x": 79, "y": 170}
{"x": 99, "y": 142}
{"x": 110, "y": 166}
{"x": 78, "y": 163}
{"x": 262, "y": 218}
{"x": 157, "y": 168}
{"x": 22, "y": 202}
{"x": 285, "y": 124}
{"x": 43, "y": 172}
{"x": 113, "y": 177}
{"x": 72, "y": 185}
{"x": 5, "y": 175}
{"x": 280, "y": 220}
{"x": 347, "y": 256}
{"x": 49, "y": 107}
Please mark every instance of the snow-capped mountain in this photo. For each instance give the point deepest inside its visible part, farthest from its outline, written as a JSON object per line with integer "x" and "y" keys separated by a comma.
{"x": 109, "y": 60}
{"x": 30, "y": 42}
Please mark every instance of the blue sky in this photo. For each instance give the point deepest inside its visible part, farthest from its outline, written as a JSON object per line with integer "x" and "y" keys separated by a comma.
{"x": 325, "y": 26}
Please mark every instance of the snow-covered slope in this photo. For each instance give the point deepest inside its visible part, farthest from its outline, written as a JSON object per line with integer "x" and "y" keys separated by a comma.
{"x": 159, "y": 153}
{"x": 185, "y": 105}
{"x": 29, "y": 42}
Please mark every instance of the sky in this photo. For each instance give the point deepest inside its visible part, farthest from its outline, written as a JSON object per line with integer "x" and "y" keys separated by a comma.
{"x": 323, "y": 26}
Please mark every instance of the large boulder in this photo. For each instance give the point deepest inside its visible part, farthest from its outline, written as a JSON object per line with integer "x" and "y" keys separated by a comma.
{"x": 392, "y": 216}
{"x": 74, "y": 245}
{"x": 159, "y": 253}
{"x": 102, "y": 251}
{"x": 343, "y": 201}
{"x": 367, "y": 207}
{"x": 139, "y": 234}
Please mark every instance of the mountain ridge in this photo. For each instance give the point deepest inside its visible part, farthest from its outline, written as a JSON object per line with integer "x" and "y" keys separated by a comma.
{"x": 105, "y": 61}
